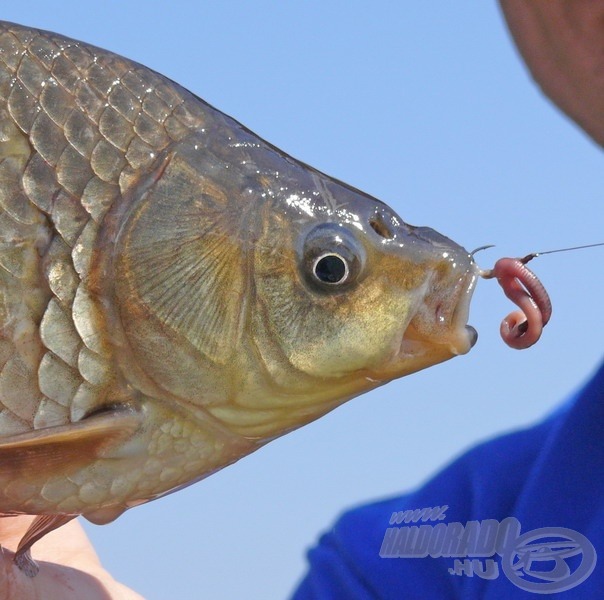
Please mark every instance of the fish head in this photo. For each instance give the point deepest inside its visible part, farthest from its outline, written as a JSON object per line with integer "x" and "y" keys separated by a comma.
{"x": 256, "y": 286}
{"x": 349, "y": 290}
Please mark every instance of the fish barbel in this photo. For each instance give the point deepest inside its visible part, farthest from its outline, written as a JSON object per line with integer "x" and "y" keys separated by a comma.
{"x": 175, "y": 292}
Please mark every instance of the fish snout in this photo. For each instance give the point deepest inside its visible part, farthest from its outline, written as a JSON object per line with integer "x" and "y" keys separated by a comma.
{"x": 451, "y": 276}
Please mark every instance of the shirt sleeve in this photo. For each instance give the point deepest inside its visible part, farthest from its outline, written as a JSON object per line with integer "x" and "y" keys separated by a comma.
{"x": 331, "y": 576}
{"x": 349, "y": 561}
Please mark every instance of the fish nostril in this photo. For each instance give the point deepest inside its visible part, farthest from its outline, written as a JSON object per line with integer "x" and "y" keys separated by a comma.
{"x": 379, "y": 225}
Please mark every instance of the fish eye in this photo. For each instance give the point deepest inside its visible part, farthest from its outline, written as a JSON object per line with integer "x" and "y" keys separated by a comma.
{"x": 331, "y": 258}
{"x": 331, "y": 268}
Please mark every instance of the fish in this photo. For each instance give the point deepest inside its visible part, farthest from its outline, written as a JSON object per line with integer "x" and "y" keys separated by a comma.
{"x": 175, "y": 292}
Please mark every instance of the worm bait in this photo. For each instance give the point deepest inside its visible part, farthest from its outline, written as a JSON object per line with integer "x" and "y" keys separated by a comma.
{"x": 523, "y": 328}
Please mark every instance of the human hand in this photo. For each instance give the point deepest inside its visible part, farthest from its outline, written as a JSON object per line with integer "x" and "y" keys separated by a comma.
{"x": 69, "y": 566}
{"x": 562, "y": 43}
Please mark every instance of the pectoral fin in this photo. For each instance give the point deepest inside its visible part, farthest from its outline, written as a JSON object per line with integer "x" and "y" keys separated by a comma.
{"x": 55, "y": 449}
{"x": 40, "y": 526}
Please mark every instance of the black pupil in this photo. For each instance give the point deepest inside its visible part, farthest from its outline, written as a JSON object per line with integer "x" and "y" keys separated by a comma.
{"x": 330, "y": 269}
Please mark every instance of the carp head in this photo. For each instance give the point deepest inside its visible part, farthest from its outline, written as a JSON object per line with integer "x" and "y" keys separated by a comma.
{"x": 259, "y": 289}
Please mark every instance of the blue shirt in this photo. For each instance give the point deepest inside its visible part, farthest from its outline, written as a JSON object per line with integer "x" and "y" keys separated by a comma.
{"x": 519, "y": 517}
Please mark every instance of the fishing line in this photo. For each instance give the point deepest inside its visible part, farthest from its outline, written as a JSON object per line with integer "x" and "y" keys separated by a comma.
{"x": 523, "y": 328}
{"x": 529, "y": 257}
{"x": 532, "y": 255}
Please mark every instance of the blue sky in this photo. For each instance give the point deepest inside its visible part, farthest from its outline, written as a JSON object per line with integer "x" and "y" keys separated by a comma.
{"x": 427, "y": 107}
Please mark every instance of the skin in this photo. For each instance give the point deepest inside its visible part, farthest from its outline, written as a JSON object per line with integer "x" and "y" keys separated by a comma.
{"x": 562, "y": 43}
{"x": 69, "y": 566}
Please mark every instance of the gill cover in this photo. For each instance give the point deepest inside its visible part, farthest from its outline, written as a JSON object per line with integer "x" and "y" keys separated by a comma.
{"x": 179, "y": 263}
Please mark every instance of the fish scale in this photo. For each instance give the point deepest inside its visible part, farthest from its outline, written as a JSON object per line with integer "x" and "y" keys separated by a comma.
{"x": 86, "y": 148}
{"x": 162, "y": 309}
{"x": 82, "y": 125}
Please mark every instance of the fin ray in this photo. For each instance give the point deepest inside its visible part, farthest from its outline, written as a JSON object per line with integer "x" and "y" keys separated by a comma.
{"x": 39, "y": 527}
{"x": 66, "y": 446}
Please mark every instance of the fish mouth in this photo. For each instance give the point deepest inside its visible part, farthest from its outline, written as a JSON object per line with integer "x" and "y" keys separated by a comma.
{"x": 464, "y": 335}
{"x": 434, "y": 327}
{"x": 442, "y": 315}
{"x": 439, "y": 328}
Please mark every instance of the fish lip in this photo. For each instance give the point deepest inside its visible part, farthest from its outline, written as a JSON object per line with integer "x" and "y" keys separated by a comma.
{"x": 466, "y": 335}
{"x": 416, "y": 347}
{"x": 472, "y": 335}
{"x": 442, "y": 321}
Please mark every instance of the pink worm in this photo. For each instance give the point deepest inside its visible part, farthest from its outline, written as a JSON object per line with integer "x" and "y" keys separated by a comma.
{"x": 523, "y": 327}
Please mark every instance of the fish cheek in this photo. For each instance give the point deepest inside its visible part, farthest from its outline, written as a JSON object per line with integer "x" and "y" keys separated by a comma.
{"x": 333, "y": 339}
{"x": 328, "y": 334}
